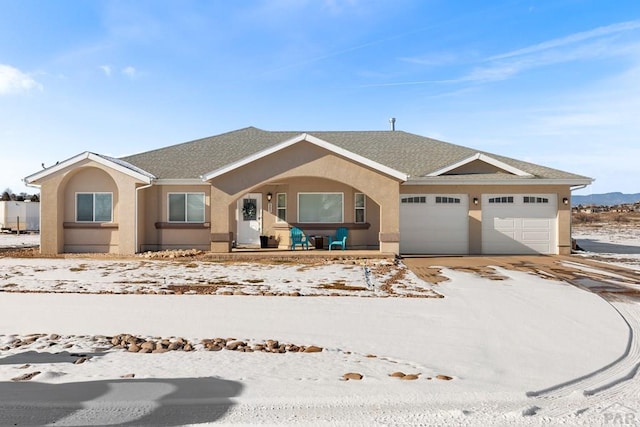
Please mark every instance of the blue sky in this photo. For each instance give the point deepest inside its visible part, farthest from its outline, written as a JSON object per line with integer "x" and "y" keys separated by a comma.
{"x": 555, "y": 82}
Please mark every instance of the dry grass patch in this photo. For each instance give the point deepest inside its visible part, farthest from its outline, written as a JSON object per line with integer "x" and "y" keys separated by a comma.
{"x": 341, "y": 286}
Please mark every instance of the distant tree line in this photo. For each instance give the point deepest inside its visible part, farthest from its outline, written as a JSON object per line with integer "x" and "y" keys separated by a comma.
{"x": 8, "y": 195}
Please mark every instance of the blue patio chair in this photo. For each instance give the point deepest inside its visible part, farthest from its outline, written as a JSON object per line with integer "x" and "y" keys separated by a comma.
{"x": 340, "y": 239}
{"x": 298, "y": 238}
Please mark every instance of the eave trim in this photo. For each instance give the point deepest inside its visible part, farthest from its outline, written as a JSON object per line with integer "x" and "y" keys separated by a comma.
{"x": 483, "y": 158}
{"x": 144, "y": 177}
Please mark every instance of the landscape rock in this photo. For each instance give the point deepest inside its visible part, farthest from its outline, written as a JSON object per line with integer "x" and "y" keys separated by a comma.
{"x": 444, "y": 377}
{"x": 233, "y": 345}
{"x": 410, "y": 377}
{"x": 174, "y": 346}
{"x": 149, "y": 345}
{"x": 352, "y": 376}
{"x": 313, "y": 349}
{"x": 26, "y": 377}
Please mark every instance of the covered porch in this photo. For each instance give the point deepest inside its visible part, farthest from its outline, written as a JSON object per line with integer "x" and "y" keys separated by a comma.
{"x": 308, "y": 184}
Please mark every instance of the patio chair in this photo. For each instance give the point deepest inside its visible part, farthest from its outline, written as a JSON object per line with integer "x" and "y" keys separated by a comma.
{"x": 298, "y": 238}
{"x": 340, "y": 239}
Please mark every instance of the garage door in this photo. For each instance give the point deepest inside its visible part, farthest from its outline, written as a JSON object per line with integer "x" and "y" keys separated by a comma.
{"x": 434, "y": 224}
{"x": 519, "y": 223}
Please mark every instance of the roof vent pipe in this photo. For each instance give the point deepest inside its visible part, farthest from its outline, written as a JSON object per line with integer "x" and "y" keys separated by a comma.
{"x": 392, "y": 121}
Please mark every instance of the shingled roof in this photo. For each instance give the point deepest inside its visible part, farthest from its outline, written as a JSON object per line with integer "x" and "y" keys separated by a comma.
{"x": 415, "y": 155}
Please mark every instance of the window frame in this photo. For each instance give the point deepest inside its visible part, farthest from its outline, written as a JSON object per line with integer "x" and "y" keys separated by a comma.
{"x": 93, "y": 207}
{"x": 341, "y": 194}
{"x": 279, "y": 208}
{"x": 504, "y": 200}
{"x": 447, "y": 200}
{"x": 357, "y": 208}
{"x": 186, "y": 207}
{"x": 413, "y": 199}
{"x": 535, "y": 200}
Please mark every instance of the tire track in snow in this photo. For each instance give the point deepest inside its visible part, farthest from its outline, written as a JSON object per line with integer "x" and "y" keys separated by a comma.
{"x": 614, "y": 383}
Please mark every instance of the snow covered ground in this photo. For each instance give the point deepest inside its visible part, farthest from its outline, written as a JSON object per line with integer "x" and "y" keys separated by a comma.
{"x": 619, "y": 244}
{"x": 9, "y": 240}
{"x": 523, "y": 350}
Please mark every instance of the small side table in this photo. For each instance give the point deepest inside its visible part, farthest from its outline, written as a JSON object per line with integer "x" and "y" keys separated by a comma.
{"x": 319, "y": 241}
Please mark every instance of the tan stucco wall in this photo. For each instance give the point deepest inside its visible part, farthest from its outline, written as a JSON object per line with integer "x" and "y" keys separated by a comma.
{"x": 306, "y": 161}
{"x": 155, "y": 204}
{"x": 475, "y": 211}
{"x": 58, "y": 206}
{"x": 88, "y": 180}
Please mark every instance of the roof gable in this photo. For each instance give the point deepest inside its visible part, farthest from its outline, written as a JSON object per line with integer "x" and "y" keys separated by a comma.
{"x": 110, "y": 162}
{"x": 304, "y": 137}
{"x": 450, "y": 169}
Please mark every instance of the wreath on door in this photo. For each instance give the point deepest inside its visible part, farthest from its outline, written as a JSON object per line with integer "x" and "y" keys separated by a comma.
{"x": 249, "y": 210}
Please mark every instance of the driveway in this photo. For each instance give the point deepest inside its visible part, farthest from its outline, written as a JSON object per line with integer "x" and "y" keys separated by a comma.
{"x": 601, "y": 389}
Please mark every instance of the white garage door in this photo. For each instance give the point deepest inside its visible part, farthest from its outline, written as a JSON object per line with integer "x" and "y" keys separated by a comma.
{"x": 434, "y": 224}
{"x": 519, "y": 223}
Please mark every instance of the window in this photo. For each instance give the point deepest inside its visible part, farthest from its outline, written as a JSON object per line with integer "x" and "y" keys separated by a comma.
{"x": 94, "y": 207}
{"x": 533, "y": 199}
{"x": 360, "y": 207}
{"x": 320, "y": 207}
{"x": 415, "y": 199}
{"x": 281, "y": 207}
{"x": 503, "y": 199}
{"x": 442, "y": 199}
{"x": 186, "y": 207}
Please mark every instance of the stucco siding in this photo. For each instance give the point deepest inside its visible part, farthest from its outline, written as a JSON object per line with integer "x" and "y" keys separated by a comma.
{"x": 160, "y": 233}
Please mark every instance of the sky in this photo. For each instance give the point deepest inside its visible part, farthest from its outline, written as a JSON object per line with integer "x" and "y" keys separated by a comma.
{"x": 553, "y": 82}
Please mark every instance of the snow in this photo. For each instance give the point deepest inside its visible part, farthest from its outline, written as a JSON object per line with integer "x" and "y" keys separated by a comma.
{"x": 619, "y": 245}
{"x": 12, "y": 240}
{"x": 497, "y": 339}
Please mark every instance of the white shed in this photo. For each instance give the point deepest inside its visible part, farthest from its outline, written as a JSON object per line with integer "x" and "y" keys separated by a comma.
{"x": 19, "y": 216}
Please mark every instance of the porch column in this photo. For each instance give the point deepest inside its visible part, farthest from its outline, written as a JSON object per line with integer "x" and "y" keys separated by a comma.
{"x": 51, "y": 217}
{"x": 564, "y": 223}
{"x": 126, "y": 214}
{"x": 387, "y": 195}
{"x": 390, "y": 227}
{"x": 221, "y": 233}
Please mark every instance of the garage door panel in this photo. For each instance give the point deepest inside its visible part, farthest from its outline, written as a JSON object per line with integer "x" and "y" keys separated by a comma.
{"x": 434, "y": 228}
{"x": 519, "y": 227}
{"x": 530, "y": 236}
{"x": 535, "y": 223}
{"x": 446, "y": 235}
{"x": 541, "y": 248}
{"x": 503, "y": 223}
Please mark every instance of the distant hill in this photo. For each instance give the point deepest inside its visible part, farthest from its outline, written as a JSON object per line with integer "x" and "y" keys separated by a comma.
{"x": 607, "y": 199}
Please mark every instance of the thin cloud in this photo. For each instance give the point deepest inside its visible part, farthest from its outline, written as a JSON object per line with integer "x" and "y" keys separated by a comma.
{"x": 600, "y": 42}
{"x": 130, "y": 71}
{"x": 13, "y": 80}
{"x": 106, "y": 69}
{"x": 571, "y": 39}
{"x": 435, "y": 60}
{"x": 597, "y": 43}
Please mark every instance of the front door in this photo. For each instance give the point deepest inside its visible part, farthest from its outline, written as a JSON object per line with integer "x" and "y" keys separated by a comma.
{"x": 249, "y": 214}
